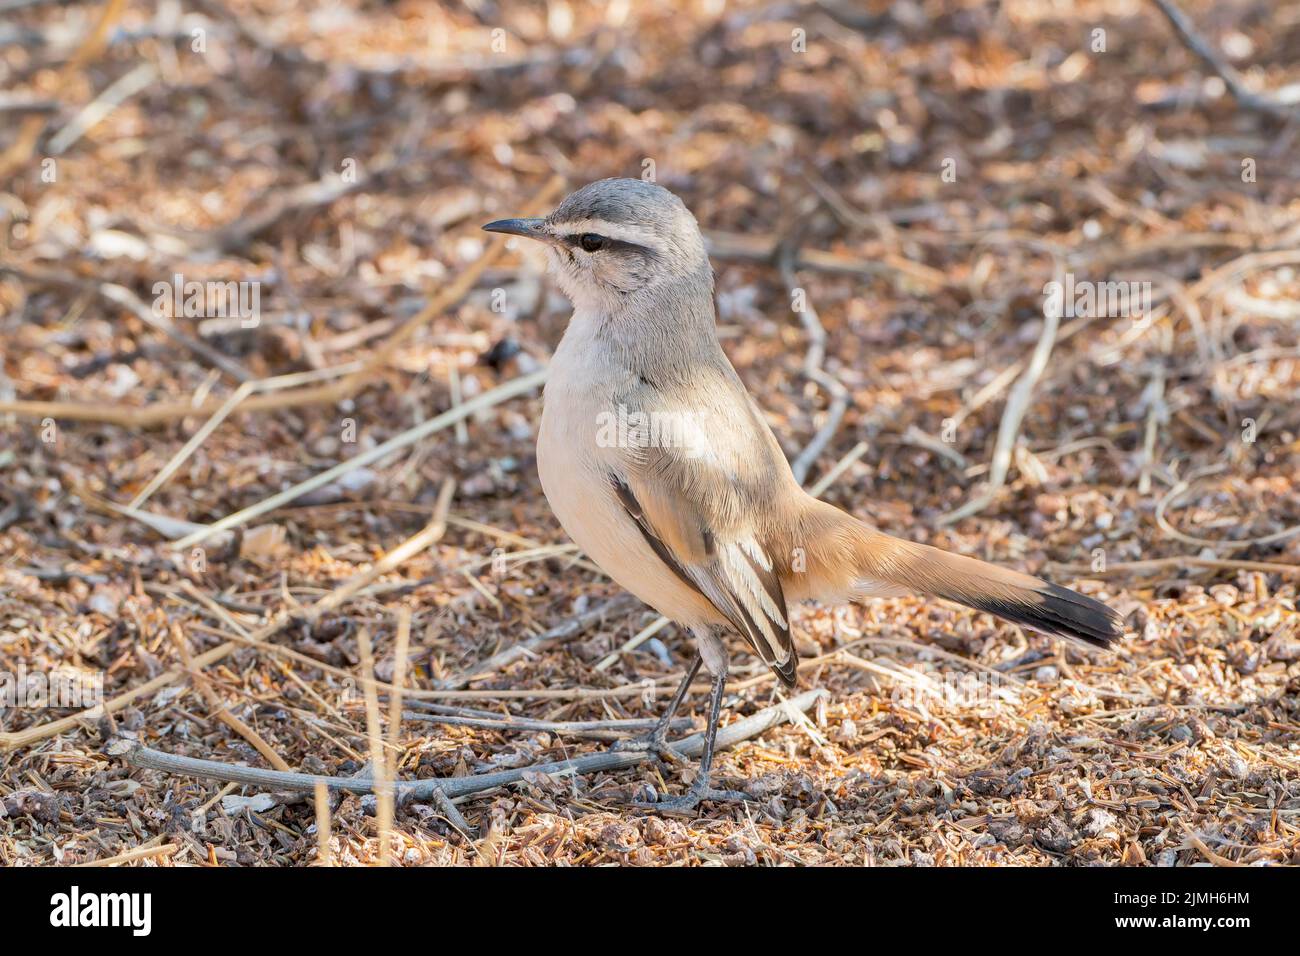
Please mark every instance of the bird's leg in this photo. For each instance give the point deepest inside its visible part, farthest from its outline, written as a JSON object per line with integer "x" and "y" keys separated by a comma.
{"x": 656, "y": 741}
{"x": 700, "y": 789}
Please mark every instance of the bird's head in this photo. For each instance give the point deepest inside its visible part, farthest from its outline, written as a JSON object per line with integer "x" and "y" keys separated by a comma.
{"x": 617, "y": 241}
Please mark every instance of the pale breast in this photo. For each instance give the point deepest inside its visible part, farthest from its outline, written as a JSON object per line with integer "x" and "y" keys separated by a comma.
{"x": 575, "y": 461}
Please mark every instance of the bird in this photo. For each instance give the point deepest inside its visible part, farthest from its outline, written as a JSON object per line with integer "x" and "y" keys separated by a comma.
{"x": 661, "y": 467}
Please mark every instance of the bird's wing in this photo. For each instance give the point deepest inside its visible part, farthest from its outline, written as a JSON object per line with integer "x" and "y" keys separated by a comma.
{"x": 702, "y": 490}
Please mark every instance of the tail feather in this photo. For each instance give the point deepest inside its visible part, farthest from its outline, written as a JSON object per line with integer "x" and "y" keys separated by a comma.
{"x": 1055, "y": 610}
{"x": 1011, "y": 595}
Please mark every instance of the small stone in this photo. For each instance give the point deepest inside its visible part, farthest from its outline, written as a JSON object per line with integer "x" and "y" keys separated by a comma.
{"x": 620, "y": 837}
{"x": 326, "y": 446}
{"x": 357, "y": 479}
{"x": 1235, "y": 766}
{"x": 103, "y": 602}
{"x": 668, "y": 832}
{"x": 1224, "y": 594}
{"x": 1055, "y": 837}
{"x": 476, "y": 486}
{"x": 1098, "y": 822}
{"x": 1280, "y": 647}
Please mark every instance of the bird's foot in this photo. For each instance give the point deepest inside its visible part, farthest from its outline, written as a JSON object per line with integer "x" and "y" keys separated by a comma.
{"x": 700, "y": 792}
{"x": 655, "y": 742}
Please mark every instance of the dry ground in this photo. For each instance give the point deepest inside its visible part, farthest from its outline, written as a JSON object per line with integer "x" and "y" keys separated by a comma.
{"x": 948, "y": 737}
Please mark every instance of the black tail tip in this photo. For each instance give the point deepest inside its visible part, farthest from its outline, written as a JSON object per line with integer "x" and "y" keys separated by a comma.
{"x": 1060, "y": 612}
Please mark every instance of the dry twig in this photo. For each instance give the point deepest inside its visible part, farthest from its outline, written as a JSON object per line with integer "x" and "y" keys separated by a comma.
{"x": 533, "y": 645}
{"x": 488, "y": 399}
{"x": 10, "y": 740}
{"x": 146, "y": 758}
{"x": 1212, "y": 58}
{"x": 1009, "y": 428}
{"x": 813, "y": 369}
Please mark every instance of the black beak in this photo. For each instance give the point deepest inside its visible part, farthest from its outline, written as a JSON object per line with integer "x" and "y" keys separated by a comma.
{"x": 529, "y": 228}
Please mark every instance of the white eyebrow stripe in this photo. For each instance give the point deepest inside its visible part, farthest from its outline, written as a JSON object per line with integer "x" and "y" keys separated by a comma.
{"x": 610, "y": 230}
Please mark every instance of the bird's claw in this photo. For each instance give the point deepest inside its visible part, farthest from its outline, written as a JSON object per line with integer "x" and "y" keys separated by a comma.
{"x": 699, "y": 793}
{"x": 652, "y": 743}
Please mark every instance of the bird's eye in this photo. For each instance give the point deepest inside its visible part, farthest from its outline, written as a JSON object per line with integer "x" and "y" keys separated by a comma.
{"x": 591, "y": 242}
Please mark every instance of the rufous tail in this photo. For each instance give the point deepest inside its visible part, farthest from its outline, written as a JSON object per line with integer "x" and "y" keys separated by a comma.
{"x": 1017, "y": 597}
{"x": 849, "y": 558}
